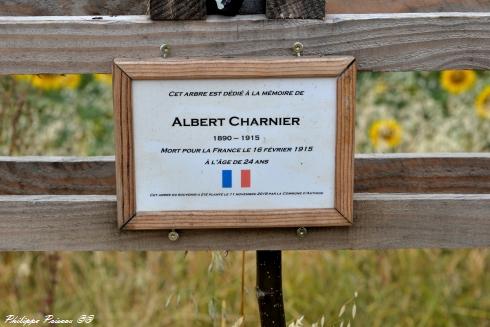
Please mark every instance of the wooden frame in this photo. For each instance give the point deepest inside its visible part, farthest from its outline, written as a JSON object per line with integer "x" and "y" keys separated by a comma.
{"x": 125, "y": 71}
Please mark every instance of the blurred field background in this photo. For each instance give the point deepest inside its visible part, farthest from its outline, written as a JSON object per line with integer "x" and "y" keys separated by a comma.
{"x": 397, "y": 112}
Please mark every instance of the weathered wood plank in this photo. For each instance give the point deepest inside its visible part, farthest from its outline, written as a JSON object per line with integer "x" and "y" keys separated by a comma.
{"x": 304, "y": 9}
{"x": 405, "y": 6}
{"x": 139, "y": 7}
{"x": 423, "y": 173}
{"x": 177, "y": 9}
{"x": 374, "y": 173}
{"x": 379, "y": 42}
{"x": 72, "y": 7}
{"x": 382, "y": 221}
{"x": 57, "y": 175}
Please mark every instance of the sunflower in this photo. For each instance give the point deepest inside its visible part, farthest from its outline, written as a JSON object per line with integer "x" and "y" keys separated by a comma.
{"x": 104, "y": 78}
{"x": 54, "y": 82}
{"x": 26, "y": 78}
{"x": 380, "y": 87}
{"x": 482, "y": 103}
{"x": 457, "y": 81}
{"x": 385, "y": 133}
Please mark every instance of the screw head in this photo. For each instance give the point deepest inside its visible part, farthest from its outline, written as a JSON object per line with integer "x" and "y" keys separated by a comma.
{"x": 173, "y": 236}
{"x": 164, "y": 50}
{"x": 301, "y": 232}
{"x": 298, "y": 48}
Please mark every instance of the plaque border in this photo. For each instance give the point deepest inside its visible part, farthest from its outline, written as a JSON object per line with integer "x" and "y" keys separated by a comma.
{"x": 124, "y": 71}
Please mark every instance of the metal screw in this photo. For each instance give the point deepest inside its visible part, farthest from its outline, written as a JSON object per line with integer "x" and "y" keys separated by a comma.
{"x": 298, "y": 48}
{"x": 173, "y": 235}
{"x": 164, "y": 50}
{"x": 301, "y": 232}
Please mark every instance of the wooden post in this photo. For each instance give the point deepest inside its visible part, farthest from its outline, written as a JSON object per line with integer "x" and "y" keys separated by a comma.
{"x": 269, "y": 289}
{"x": 177, "y": 9}
{"x": 305, "y": 9}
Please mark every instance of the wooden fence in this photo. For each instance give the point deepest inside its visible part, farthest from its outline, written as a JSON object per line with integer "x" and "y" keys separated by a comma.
{"x": 401, "y": 201}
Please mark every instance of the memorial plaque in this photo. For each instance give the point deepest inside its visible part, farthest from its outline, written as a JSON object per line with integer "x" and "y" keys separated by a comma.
{"x": 234, "y": 143}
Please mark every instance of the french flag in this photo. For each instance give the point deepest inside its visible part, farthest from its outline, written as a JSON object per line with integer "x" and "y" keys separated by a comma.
{"x": 227, "y": 178}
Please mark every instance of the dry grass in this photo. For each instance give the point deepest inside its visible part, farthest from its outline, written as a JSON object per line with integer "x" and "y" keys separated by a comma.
{"x": 396, "y": 288}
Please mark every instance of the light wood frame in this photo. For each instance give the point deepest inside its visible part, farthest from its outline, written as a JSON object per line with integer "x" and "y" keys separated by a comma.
{"x": 125, "y": 71}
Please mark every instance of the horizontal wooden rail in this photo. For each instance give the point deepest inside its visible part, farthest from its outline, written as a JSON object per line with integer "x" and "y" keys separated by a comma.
{"x": 382, "y": 221}
{"x": 392, "y": 6}
{"x": 139, "y": 7}
{"x": 374, "y": 173}
{"x": 72, "y": 7}
{"x": 423, "y": 173}
{"x": 380, "y": 42}
{"x": 57, "y": 175}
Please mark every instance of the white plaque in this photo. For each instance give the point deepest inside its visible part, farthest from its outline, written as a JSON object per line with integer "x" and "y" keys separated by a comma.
{"x": 234, "y": 144}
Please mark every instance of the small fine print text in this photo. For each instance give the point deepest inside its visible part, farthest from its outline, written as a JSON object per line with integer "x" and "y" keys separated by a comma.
{"x": 48, "y": 319}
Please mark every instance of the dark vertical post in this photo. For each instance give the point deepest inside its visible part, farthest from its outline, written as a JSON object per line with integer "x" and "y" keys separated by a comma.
{"x": 269, "y": 289}
{"x": 177, "y": 9}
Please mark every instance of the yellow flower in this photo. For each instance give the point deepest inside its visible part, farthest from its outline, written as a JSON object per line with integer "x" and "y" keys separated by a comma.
{"x": 457, "y": 81}
{"x": 482, "y": 103}
{"x": 380, "y": 87}
{"x": 26, "y": 78}
{"x": 55, "y": 82}
{"x": 104, "y": 78}
{"x": 385, "y": 133}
